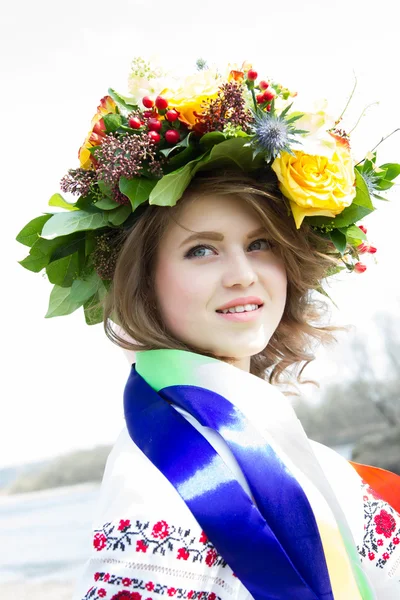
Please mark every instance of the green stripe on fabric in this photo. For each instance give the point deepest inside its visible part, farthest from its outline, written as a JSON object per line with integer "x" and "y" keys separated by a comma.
{"x": 163, "y": 368}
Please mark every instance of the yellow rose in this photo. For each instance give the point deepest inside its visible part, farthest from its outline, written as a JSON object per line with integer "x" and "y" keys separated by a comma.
{"x": 187, "y": 99}
{"x": 316, "y": 185}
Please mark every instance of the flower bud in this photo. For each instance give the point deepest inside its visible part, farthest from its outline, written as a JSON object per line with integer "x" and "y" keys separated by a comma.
{"x": 252, "y": 74}
{"x": 360, "y": 267}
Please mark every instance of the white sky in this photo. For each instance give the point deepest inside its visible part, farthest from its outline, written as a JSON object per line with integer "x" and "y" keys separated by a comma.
{"x": 62, "y": 382}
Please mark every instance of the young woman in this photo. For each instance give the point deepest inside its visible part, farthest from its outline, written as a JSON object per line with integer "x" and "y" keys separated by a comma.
{"x": 213, "y": 489}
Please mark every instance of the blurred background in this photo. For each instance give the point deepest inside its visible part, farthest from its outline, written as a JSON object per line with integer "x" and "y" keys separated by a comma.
{"x": 62, "y": 381}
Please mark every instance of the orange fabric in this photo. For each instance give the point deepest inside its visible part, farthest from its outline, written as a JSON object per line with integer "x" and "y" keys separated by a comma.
{"x": 385, "y": 483}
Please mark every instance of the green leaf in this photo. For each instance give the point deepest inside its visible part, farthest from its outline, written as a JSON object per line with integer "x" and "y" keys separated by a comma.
{"x": 83, "y": 289}
{"x": 208, "y": 140}
{"x": 66, "y": 223}
{"x": 90, "y": 242}
{"x": 112, "y": 122}
{"x": 85, "y": 202}
{"x": 393, "y": 170}
{"x": 233, "y": 150}
{"x": 339, "y": 239}
{"x": 375, "y": 195}
{"x": 362, "y": 196}
{"x": 104, "y": 188}
{"x": 170, "y": 188}
{"x": 123, "y": 101}
{"x": 62, "y": 272}
{"x": 182, "y": 144}
{"x": 66, "y": 245}
{"x": 138, "y": 190}
{"x": 383, "y": 184}
{"x": 58, "y": 200}
{"x": 349, "y": 216}
{"x": 353, "y": 233}
{"x": 93, "y": 310}
{"x": 43, "y": 251}
{"x": 323, "y": 292}
{"x": 34, "y": 263}
{"x": 106, "y": 204}
{"x": 32, "y": 230}
{"x": 180, "y": 159}
{"x": 119, "y": 215}
{"x": 60, "y": 303}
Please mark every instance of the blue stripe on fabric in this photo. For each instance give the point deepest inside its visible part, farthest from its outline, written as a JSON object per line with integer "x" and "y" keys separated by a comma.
{"x": 230, "y": 519}
{"x": 279, "y": 496}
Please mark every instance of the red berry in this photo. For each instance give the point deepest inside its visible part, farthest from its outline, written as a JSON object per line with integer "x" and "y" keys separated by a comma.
{"x": 154, "y": 124}
{"x": 161, "y": 103}
{"x": 154, "y": 136}
{"x": 172, "y": 115}
{"x": 371, "y": 249}
{"x": 363, "y": 229}
{"x": 148, "y": 102}
{"x": 252, "y": 74}
{"x": 260, "y": 98}
{"x": 149, "y": 113}
{"x": 263, "y": 85}
{"x": 135, "y": 123}
{"x": 360, "y": 267}
{"x": 268, "y": 95}
{"x": 172, "y": 136}
{"x": 268, "y": 108}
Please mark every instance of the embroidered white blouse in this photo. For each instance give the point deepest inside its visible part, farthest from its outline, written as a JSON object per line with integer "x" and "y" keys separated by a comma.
{"x": 147, "y": 544}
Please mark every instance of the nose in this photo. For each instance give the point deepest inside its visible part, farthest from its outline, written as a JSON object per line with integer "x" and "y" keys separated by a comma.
{"x": 239, "y": 270}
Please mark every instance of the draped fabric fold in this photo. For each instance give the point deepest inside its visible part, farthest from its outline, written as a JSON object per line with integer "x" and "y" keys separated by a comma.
{"x": 272, "y": 540}
{"x": 225, "y": 512}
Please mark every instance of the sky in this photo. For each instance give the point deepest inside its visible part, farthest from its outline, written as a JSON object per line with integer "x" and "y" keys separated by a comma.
{"x": 62, "y": 381}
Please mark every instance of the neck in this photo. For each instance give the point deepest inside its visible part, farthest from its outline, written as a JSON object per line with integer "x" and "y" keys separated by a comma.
{"x": 242, "y": 363}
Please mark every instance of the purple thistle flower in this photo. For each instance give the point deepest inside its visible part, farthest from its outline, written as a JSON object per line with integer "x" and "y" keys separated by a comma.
{"x": 273, "y": 133}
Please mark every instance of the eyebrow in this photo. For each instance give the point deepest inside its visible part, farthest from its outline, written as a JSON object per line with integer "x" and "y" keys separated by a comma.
{"x": 213, "y": 235}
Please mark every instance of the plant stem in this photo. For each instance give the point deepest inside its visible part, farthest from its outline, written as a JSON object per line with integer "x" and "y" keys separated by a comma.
{"x": 348, "y": 101}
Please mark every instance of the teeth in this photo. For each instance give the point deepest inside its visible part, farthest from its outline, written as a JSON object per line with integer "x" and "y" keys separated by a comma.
{"x": 241, "y": 308}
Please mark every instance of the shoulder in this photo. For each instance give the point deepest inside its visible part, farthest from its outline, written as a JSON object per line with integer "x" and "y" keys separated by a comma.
{"x": 374, "y": 523}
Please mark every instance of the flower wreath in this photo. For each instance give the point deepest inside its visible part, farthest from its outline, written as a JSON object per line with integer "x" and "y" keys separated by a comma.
{"x": 146, "y": 148}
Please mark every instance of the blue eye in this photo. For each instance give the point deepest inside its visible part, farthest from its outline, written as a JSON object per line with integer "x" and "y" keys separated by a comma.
{"x": 192, "y": 251}
{"x": 267, "y": 242}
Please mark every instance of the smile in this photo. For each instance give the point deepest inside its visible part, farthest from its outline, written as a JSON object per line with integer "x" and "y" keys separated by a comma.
{"x": 241, "y": 314}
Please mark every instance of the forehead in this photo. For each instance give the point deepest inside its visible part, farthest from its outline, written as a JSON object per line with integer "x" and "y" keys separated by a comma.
{"x": 216, "y": 213}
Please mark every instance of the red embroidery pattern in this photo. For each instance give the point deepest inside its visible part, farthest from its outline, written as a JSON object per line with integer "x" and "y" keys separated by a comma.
{"x": 161, "y": 537}
{"x": 381, "y": 528}
{"x": 147, "y": 588}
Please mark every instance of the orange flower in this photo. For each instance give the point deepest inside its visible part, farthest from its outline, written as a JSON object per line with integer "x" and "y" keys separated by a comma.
{"x": 97, "y": 133}
{"x": 236, "y": 76}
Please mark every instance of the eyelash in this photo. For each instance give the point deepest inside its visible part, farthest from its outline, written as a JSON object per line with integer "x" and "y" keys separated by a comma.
{"x": 190, "y": 253}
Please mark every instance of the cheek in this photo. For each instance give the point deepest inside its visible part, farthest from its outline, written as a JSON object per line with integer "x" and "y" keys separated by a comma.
{"x": 276, "y": 282}
{"x": 179, "y": 293}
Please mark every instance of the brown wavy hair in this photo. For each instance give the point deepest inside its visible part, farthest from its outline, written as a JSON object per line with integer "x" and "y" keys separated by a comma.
{"x": 132, "y": 302}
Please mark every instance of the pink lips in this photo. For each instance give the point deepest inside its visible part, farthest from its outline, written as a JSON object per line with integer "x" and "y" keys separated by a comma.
{"x": 242, "y": 316}
{"x": 241, "y": 302}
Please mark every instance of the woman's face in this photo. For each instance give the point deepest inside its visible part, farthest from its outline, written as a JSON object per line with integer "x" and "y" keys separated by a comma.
{"x": 196, "y": 275}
